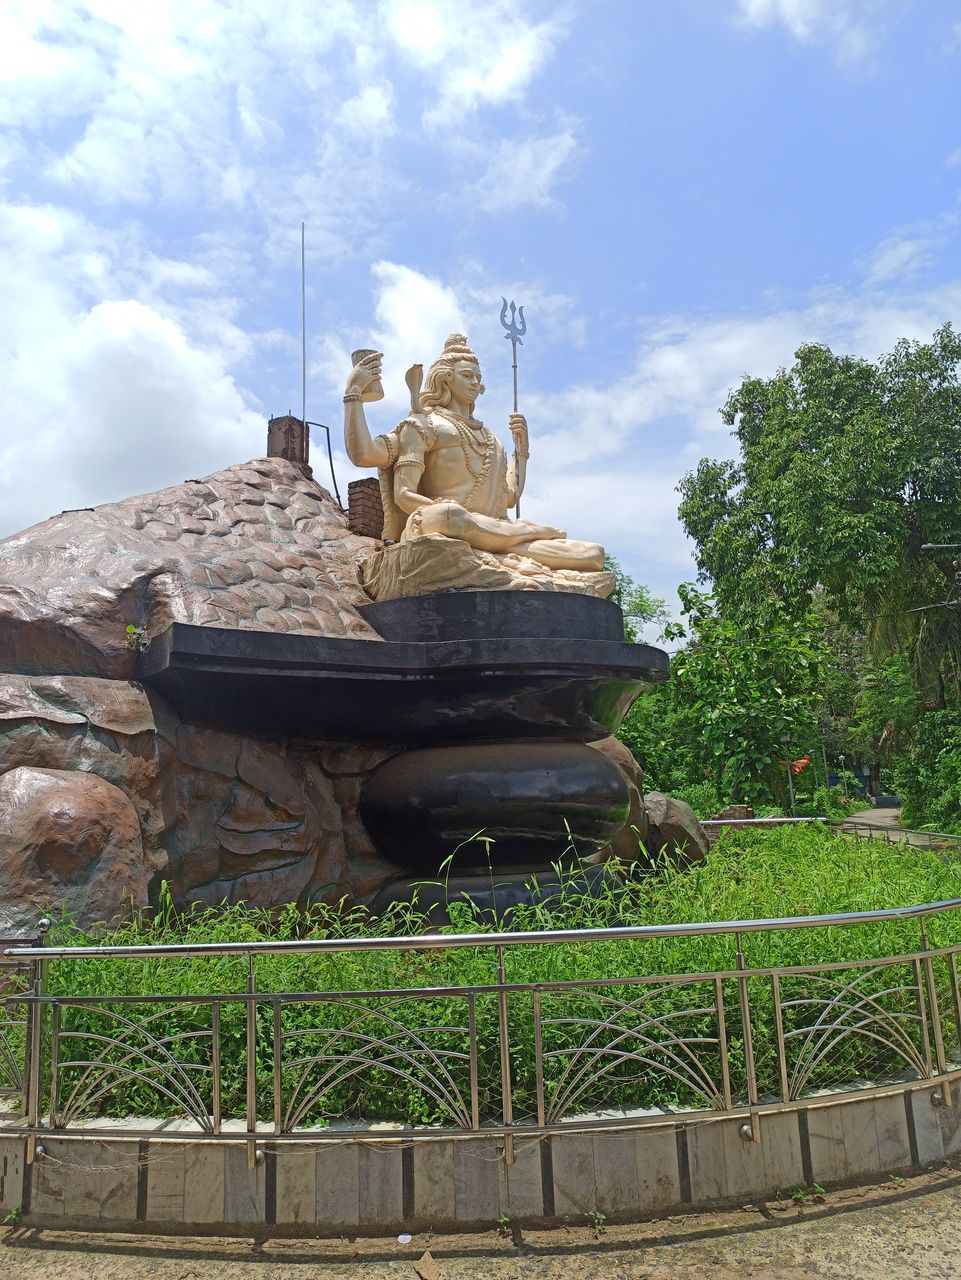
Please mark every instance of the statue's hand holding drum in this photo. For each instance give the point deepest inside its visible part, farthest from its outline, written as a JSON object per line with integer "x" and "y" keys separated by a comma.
{"x": 364, "y": 380}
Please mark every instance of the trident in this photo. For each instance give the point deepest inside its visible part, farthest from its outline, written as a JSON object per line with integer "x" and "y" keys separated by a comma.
{"x": 516, "y": 328}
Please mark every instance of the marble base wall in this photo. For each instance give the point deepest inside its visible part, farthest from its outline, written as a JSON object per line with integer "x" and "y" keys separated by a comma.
{"x": 366, "y": 1188}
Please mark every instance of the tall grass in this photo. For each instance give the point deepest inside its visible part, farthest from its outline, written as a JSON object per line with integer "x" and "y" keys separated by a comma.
{"x": 748, "y": 875}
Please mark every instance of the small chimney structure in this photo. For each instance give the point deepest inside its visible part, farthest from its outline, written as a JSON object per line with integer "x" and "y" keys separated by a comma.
{"x": 365, "y": 510}
{"x": 289, "y": 438}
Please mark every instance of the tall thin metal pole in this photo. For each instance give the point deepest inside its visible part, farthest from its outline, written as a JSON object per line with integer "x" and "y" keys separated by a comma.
{"x": 303, "y": 329}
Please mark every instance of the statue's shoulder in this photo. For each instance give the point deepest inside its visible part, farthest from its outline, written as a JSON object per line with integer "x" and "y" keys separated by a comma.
{"x": 424, "y": 424}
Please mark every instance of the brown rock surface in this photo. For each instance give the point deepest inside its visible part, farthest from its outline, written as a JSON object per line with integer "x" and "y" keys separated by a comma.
{"x": 674, "y": 828}
{"x": 257, "y": 546}
{"x": 626, "y": 847}
{"x": 219, "y": 815}
{"x": 68, "y": 840}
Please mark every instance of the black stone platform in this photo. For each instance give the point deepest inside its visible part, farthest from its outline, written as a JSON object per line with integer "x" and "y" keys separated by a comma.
{"x": 488, "y": 615}
{"x": 552, "y": 669}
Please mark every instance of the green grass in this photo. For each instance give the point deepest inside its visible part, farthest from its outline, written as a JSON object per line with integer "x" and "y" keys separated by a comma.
{"x": 782, "y": 872}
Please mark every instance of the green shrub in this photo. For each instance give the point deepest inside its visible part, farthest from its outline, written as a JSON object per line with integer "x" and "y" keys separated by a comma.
{"x": 928, "y": 780}
{"x": 703, "y": 797}
{"x": 781, "y": 872}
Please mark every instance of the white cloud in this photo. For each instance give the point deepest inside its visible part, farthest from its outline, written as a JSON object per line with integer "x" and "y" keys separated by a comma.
{"x": 523, "y": 171}
{"x": 850, "y": 27}
{"x": 370, "y": 110}
{"x": 909, "y": 250}
{"x": 475, "y": 54}
{"x": 201, "y": 97}
{"x": 103, "y": 394}
{"x": 897, "y": 256}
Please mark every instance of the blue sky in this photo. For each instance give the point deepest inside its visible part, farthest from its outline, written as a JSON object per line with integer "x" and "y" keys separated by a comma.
{"x": 679, "y": 191}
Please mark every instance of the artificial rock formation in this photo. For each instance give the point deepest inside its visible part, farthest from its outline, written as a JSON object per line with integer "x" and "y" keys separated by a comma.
{"x": 220, "y": 816}
{"x": 258, "y": 547}
{"x": 69, "y": 841}
{"x": 673, "y": 826}
{"x": 105, "y": 791}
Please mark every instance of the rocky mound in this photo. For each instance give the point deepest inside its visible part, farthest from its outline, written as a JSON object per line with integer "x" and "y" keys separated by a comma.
{"x": 257, "y": 546}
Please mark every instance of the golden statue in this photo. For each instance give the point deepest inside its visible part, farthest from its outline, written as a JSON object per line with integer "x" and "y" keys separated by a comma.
{"x": 443, "y": 474}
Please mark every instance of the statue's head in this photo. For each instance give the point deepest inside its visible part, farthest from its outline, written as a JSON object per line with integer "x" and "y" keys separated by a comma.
{"x": 458, "y": 366}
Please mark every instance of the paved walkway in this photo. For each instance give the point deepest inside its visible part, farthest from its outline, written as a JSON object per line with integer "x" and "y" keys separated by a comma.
{"x": 877, "y": 817}
{"x": 900, "y": 1230}
{"x": 889, "y": 820}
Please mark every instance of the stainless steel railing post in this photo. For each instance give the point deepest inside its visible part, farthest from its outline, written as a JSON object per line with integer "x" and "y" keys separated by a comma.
{"x": 251, "y": 1061}
{"x": 506, "y": 1096}
{"x": 745, "y": 1003}
{"x": 35, "y": 1043}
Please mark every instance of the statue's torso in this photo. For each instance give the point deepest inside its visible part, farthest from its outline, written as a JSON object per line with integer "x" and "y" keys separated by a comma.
{"x": 464, "y": 463}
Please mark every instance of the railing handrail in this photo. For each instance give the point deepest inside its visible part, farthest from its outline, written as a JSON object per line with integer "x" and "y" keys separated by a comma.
{"x": 446, "y": 941}
{"x": 886, "y": 826}
{"x": 756, "y": 822}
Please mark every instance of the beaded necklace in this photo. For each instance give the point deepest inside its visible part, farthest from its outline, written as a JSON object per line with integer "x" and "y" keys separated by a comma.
{"x": 469, "y": 439}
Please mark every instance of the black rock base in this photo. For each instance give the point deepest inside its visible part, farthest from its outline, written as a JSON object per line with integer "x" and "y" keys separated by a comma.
{"x": 505, "y": 804}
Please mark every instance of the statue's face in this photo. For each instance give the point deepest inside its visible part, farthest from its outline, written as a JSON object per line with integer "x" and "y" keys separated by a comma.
{"x": 465, "y": 381}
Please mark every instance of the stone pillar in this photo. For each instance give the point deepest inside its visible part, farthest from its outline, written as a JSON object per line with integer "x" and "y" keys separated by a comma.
{"x": 365, "y": 510}
{"x": 287, "y": 437}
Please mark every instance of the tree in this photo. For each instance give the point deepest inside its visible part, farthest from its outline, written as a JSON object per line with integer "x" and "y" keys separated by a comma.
{"x": 741, "y": 699}
{"x": 635, "y": 601}
{"x": 846, "y": 469}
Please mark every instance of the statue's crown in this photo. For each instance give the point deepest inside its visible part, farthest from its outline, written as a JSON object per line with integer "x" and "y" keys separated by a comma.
{"x": 458, "y": 347}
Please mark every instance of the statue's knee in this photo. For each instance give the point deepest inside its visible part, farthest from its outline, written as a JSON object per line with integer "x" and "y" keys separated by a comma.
{"x": 458, "y": 522}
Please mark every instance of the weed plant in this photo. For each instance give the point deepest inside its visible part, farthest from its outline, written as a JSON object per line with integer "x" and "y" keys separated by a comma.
{"x": 404, "y": 1057}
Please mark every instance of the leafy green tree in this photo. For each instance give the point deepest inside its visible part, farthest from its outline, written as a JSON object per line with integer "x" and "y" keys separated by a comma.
{"x": 741, "y": 699}
{"x": 847, "y": 467}
{"x": 635, "y": 601}
{"x": 928, "y": 779}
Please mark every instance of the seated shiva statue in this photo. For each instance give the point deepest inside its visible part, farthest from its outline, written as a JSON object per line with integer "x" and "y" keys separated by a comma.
{"x": 442, "y": 472}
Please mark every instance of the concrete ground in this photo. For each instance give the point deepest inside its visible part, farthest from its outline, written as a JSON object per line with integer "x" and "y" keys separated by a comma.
{"x": 877, "y": 817}
{"x": 903, "y": 1228}
{"x": 889, "y": 820}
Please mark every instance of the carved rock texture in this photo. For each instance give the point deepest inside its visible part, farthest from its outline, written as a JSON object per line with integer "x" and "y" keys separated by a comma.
{"x": 68, "y": 840}
{"x": 257, "y": 546}
{"x": 220, "y": 816}
{"x": 674, "y": 827}
{"x": 435, "y": 563}
{"x": 104, "y": 791}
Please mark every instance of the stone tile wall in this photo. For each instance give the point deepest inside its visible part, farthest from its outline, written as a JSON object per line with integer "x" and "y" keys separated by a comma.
{"x": 374, "y": 1188}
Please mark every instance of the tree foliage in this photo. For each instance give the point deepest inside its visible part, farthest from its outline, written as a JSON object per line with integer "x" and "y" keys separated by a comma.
{"x": 640, "y": 608}
{"x": 847, "y": 467}
{"x": 929, "y": 777}
{"x": 741, "y": 699}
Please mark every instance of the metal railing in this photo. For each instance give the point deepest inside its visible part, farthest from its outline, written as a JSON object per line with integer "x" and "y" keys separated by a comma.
{"x": 864, "y": 830}
{"x": 14, "y": 1019}
{"x": 623, "y": 1038}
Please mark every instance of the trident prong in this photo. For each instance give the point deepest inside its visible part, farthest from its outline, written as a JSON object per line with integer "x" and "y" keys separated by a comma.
{"x": 515, "y": 331}
{"x": 516, "y": 328}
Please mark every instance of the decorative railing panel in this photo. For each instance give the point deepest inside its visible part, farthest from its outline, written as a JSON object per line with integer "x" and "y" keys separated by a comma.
{"x": 15, "y": 977}
{"x": 236, "y": 1060}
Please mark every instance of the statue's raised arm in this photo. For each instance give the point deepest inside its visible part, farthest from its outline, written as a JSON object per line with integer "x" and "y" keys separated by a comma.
{"x": 363, "y": 384}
